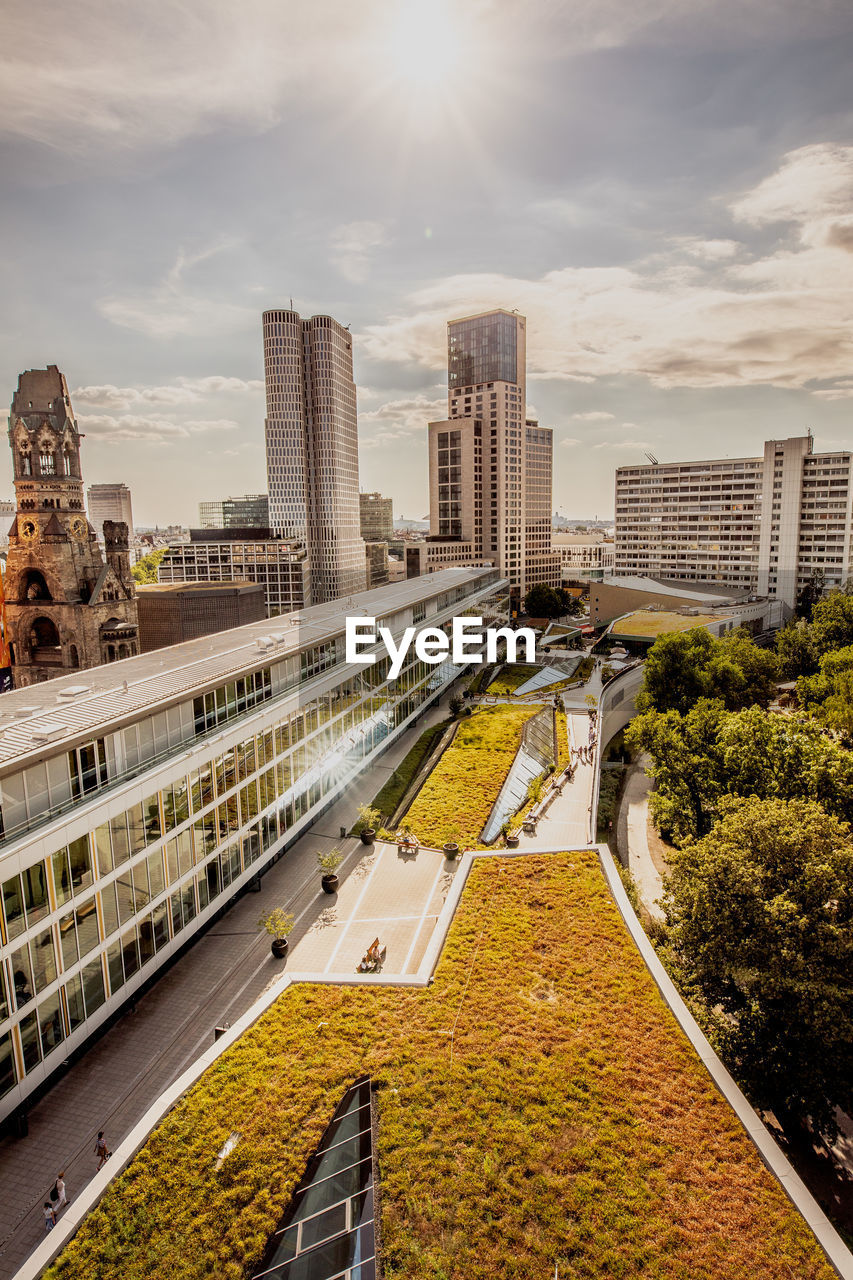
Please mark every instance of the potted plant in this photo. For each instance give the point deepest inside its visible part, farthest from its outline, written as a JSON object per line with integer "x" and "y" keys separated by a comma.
{"x": 278, "y": 924}
{"x": 451, "y": 846}
{"x": 369, "y": 821}
{"x": 329, "y": 863}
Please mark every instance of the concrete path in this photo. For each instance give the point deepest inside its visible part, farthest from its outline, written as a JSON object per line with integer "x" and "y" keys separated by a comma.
{"x": 215, "y": 981}
{"x": 565, "y": 823}
{"x": 632, "y": 837}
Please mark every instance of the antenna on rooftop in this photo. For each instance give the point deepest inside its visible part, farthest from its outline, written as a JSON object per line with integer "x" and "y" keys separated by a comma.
{"x": 651, "y": 457}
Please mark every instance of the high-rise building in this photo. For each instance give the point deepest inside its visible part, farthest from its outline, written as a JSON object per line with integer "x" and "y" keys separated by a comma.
{"x": 252, "y": 511}
{"x": 67, "y": 605}
{"x": 109, "y": 502}
{"x": 312, "y": 447}
{"x": 766, "y": 524}
{"x": 377, "y": 517}
{"x": 490, "y": 467}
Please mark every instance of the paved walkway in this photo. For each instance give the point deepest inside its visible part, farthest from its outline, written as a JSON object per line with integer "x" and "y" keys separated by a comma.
{"x": 632, "y": 837}
{"x": 215, "y": 981}
{"x": 565, "y": 823}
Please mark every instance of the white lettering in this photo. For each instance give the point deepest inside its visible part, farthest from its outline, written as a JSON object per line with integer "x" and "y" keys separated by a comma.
{"x": 432, "y": 645}
{"x": 461, "y": 640}
{"x": 512, "y": 637}
{"x": 397, "y": 653}
{"x": 355, "y": 640}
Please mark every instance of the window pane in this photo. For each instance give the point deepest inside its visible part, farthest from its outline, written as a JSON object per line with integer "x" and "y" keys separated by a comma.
{"x": 68, "y": 938}
{"x": 140, "y": 884}
{"x": 136, "y": 825}
{"x": 74, "y": 1000}
{"x": 87, "y": 926}
{"x": 146, "y": 939}
{"x": 121, "y": 843}
{"x": 181, "y": 800}
{"x": 22, "y": 975}
{"x": 130, "y": 952}
{"x": 152, "y": 819}
{"x": 155, "y": 874}
{"x": 161, "y": 926}
{"x": 35, "y": 892}
{"x": 188, "y": 900}
{"x": 108, "y": 903}
{"x": 114, "y": 966}
{"x": 124, "y": 892}
{"x": 61, "y": 875}
{"x": 8, "y": 1075}
{"x": 44, "y": 959}
{"x": 4, "y": 999}
{"x": 93, "y": 987}
{"x": 30, "y": 1041}
{"x": 50, "y": 1023}
{"x": 13, "y": 906}
{"x": 82, "y": 875}
{"x": 104, "y": 847}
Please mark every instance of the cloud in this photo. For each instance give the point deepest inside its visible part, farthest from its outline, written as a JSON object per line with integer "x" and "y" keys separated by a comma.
{"x": 174, "y": 308}
{"x": 570, "y": 442}
{"x": 351, "y": 248}
{"x": 774, "y": 317}
{"x": 399, "y": 419}
{"x": 594, "y": 415}
{"x": 840, "y": 390}
{"x": 623, "y": 444}
{"x": 181, "y": 391}
{"x": 132, "y": 426}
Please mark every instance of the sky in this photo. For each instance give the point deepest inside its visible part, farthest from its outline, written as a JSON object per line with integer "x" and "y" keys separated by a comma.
{"x": 664, "y": 188}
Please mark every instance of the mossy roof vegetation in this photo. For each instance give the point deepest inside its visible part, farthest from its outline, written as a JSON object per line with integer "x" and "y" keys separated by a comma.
{"x": 537, "y": 1106}
{"x": 645, "y": 623}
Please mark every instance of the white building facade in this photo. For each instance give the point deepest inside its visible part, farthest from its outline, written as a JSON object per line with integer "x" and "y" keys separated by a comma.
{"x": 312, "y": 447}
{"x": 765, "y": 524}
{"x": 133, "y": 809}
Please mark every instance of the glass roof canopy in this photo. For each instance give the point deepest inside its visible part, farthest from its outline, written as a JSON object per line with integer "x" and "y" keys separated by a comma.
{"x": 327, "y": 1232}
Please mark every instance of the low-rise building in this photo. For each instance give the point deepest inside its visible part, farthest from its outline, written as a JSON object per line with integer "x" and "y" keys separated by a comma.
{"x": 170, "y": 613}
{"x": 584, "y": 557}
{"x": 279, "y": 565}
{"x": 137, "y": 800}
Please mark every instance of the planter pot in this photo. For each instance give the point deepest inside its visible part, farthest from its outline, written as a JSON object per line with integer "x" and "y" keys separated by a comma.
{"x": 330, "y": 884}
{"x": 512, "y": 842}
{"x": 279, "y": 948}
{"x": 451, "y": 849}
{"x": 368, "y": 835}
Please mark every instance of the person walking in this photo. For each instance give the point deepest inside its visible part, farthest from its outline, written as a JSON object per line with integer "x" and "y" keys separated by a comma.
{"x": 49, "y": 1216}
{"x": 62, "y": 1199}
{"x": 101, "y": 1150}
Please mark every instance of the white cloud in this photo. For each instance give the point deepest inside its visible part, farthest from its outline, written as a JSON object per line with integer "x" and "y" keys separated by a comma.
{"x": 182, "y": 391}
{"x": 594, "y": 415}
{"x": 570, "y": 442}
{"x": 133, "y": 426}
{"x": 781, "y": 318}
{"x": 351, "y": 246}
{"x": 623, "y": 444}
{"x": 399, "y": 419}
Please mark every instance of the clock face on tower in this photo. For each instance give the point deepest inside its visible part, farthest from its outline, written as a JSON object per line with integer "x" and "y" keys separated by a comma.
{"x": 28, "y": 529}
{"x": 79, "y": 529}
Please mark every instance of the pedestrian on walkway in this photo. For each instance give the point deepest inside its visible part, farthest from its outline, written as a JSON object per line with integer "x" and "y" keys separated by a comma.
{"x": 62, "y": 1199}
{"x": 49, "y": 1216}
{"x": 101, "y": 1150}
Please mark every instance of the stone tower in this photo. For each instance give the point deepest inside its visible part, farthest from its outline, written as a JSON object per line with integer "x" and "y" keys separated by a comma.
{"x": 66, "y": 607}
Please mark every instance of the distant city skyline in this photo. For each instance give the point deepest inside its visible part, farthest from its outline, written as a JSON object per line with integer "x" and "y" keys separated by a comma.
{"x": 664, "y": 192}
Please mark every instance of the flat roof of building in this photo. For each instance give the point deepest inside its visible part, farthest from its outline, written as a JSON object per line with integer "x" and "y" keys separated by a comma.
{"x": 645, "y": 623}
{"x": 87, "y": 703}
{"x": 197, "y": 588}
{"x": 712, "y": 592}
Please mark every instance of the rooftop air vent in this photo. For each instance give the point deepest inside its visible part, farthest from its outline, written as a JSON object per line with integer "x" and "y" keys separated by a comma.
{"x": 74, "y": 691}
{"x": 48, "y": 730}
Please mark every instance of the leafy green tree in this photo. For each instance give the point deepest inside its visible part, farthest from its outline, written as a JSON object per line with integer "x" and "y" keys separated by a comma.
{"x": 760, "y": 915}
{"x": 688, "y": 665}
{"x": 809, "y": 595}
{"x": 686, "y": 765}
{"x": 543, "y": 601}
{"x": 832, "y": 622}
{"x": 828, "y": 695}
{"x": 795, "y": 648}
{"x": 145, "y": 570}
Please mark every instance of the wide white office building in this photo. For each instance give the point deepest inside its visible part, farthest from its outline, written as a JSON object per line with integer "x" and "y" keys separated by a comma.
{"x": 138, "y": 798}
{"x": 766, "y": 524}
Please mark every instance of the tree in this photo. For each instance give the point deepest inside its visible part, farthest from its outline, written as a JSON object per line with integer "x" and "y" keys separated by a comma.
{"x": 828, "y": 695}
{"x": 686, "y": 766}
{"x": 685, "y": 666}
{"x": 543, "y": 601}
{"x": 810, "y": 594}
{"x": 145, "y": 570}
{"x": 795, "y": 649}
{"x": 832, "y": 622}
{"x": 761, "y": 924}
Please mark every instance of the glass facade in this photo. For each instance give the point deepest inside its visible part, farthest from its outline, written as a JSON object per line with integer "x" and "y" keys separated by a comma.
{"x": 482, "y": 349}
{"x": 170, "y": 838}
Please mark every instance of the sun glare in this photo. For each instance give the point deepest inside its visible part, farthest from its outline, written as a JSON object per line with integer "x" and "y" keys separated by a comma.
{"x": 424, "y": 44}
